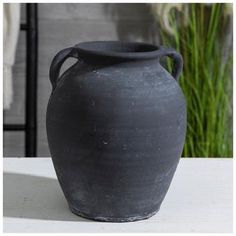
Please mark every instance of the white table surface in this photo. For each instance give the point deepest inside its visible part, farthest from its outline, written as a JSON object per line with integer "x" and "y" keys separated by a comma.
{"x": 200, "y": 199}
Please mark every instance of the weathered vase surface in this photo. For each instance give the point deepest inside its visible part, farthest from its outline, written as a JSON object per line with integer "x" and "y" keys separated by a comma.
{"x": 116, "y": 124}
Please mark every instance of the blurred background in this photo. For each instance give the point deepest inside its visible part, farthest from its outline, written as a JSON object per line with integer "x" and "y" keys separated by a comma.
{"x": 202, "y": 33}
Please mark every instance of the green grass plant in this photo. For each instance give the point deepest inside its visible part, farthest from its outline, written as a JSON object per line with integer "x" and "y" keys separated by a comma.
{"x": 206, "y": 79}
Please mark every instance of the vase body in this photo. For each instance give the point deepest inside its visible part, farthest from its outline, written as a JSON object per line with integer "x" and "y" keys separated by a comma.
{"x": 116, "y": 128}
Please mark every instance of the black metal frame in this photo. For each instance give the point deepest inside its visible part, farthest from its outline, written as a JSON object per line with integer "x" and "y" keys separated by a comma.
{"x": 30, "y": 126}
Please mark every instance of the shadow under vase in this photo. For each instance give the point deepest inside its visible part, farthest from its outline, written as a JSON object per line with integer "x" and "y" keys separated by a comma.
{"x": 35, "y": 197}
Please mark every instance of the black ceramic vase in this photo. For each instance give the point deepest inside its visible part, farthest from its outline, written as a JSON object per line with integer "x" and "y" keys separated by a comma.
{"x": 116, "y": 123}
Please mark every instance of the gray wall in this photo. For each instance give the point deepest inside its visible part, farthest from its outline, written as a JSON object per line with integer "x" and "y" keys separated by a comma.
{"x": 60, "y": 26}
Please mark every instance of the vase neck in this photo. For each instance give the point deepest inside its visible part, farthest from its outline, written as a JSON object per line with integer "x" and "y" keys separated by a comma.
{"x": 115, "y": 51}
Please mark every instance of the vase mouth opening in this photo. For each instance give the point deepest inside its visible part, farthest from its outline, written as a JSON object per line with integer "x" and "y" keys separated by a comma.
{"x": 118, "y": 49}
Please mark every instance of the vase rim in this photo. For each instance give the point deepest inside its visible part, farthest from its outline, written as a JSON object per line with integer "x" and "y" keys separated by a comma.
{"x": 119, "y": 49}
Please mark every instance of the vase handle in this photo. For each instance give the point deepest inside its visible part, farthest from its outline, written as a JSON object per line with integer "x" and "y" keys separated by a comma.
{"x": 57, "y": 62}
{"x": 178, "y": 60}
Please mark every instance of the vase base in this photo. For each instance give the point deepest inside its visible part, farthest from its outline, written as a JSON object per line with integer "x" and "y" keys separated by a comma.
{"x": 113, "y": 219}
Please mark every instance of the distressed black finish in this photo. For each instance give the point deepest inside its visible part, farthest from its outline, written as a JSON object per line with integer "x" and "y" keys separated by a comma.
{"x": 116, "y": 123}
